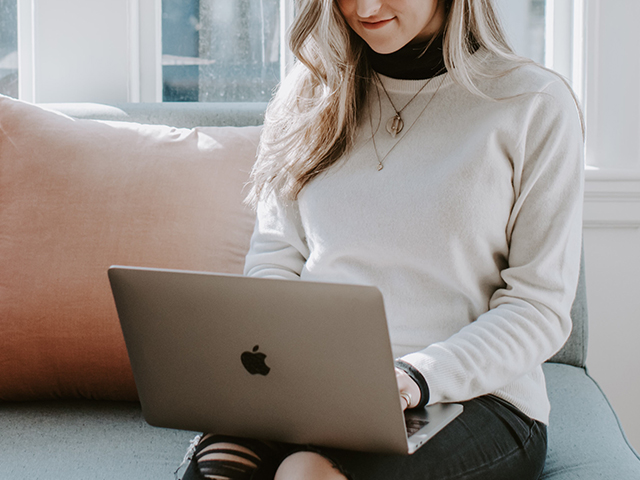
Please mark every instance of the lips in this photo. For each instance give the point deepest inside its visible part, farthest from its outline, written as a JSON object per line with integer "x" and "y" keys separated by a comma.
{"x": 376, "y": 24}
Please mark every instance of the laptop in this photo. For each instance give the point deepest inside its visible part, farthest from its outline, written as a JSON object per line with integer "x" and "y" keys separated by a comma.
{"x": 285, "y": 360}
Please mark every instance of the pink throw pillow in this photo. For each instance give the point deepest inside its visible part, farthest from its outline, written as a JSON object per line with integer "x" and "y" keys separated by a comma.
{"x": 77, "y": 196}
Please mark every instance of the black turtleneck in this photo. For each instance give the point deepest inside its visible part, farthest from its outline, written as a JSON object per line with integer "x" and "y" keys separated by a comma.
{"x": 411, "y": 62}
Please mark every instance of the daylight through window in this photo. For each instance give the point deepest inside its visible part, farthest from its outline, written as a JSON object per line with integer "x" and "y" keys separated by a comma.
{"x": 9, "y": 48}
{"x": 220, "y": 51}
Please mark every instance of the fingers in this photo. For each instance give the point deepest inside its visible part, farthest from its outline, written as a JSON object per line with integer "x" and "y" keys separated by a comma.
{"x": 406, "y": 400}
{"x": 408, "y": 389}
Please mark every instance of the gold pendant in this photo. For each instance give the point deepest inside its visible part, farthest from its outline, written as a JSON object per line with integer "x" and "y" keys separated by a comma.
{"x": 380, "y": 166}
{"x": 395, "y": 125}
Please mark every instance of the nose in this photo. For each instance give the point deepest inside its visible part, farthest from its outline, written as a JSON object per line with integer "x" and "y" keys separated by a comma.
{"x": 367, "y": 8}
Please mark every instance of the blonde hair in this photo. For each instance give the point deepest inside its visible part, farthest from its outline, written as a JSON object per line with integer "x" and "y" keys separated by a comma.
{"x": 311, "y": 122}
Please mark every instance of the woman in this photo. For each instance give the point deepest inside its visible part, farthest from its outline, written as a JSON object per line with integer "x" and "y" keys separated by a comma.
{"x": 412, "y": 150}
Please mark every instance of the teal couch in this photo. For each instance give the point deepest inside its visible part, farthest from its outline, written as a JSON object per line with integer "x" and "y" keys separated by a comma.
{"x": 94, "y": 439}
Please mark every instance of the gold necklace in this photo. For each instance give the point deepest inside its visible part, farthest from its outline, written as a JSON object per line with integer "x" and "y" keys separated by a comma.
{"x": 373, "y": 134}
{"x": 395, "y": 124}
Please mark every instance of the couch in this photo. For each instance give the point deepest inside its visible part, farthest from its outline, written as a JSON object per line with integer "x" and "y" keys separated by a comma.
{"x": 84, "y": 186}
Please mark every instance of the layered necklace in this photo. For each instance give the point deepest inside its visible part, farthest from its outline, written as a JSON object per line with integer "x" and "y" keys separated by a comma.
{"x": 412, "y": 62}
{"x": 395, "y": 124}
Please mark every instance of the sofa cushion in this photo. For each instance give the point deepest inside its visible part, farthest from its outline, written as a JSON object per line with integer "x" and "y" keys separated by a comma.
{"x": 86, "y": 439}
{"x": 586, "y": 441}
{"x": 77, "y": 196}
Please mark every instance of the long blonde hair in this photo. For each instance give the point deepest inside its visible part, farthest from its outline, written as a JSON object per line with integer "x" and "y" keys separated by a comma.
{"x": 311, "y": 121}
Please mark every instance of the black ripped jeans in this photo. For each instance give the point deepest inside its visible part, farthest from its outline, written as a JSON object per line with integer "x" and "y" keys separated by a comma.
{"x": 490, "y": 440}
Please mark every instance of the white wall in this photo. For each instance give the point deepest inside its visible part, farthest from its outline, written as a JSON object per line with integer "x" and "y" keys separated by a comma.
{"x": 612, "y": 253}
{"x": 613, "y": 279}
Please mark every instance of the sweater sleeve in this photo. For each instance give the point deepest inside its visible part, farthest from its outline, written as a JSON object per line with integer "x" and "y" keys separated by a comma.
{"x": 528, "y": 319}
{"x": 278, "y": 247}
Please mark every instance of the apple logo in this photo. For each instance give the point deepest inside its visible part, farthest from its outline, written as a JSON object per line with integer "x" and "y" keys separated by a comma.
{"x": 254, "y": 362}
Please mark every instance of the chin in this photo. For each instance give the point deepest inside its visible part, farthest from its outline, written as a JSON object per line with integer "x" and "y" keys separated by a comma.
{"x": 387, "y": 46}
{"x": 385, "y": 49}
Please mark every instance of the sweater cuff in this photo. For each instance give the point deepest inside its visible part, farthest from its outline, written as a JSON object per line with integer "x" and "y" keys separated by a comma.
{"x": 417, "y": 377}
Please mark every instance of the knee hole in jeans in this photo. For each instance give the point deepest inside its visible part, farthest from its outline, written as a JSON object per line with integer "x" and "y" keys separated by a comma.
{"x": 222, "y": 460}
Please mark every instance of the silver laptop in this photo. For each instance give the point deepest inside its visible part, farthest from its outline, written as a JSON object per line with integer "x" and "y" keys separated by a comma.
{"x": 292, "y": 361}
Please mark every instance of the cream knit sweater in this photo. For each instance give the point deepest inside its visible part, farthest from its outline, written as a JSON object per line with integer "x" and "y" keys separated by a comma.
{"x": 472, "y": 230}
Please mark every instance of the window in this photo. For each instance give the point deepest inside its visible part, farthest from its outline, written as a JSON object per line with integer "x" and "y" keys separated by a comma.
{"x": 9, "y": 48}
{"x": 218, "y": 50}
{"x": 549, "y": 32}
{"x": 524, "y": 23}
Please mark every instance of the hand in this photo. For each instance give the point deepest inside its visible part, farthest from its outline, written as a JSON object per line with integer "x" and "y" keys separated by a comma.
{"x": 409, "y": 390}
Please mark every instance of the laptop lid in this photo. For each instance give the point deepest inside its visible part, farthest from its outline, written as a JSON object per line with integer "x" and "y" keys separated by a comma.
{"x": 284, "y": 360}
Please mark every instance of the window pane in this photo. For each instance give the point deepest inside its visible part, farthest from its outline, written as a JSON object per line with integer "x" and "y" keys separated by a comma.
{"x": 537, "y": 30}
{"x": 9, "y": 48}
{"x": 220, "y": 50}
{"x": 525, "y": 25}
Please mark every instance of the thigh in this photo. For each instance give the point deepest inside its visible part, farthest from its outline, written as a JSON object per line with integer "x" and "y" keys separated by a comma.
{"x": 489, "y": 440}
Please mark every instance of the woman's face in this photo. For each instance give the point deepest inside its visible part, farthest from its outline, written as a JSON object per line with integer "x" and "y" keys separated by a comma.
{"x": 389, "y": 25}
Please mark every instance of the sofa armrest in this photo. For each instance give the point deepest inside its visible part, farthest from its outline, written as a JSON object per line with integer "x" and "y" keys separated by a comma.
{"x": 585, "y": 438}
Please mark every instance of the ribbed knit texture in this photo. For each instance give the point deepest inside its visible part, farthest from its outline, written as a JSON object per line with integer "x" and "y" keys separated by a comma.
{"x": 472, "y": 230}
